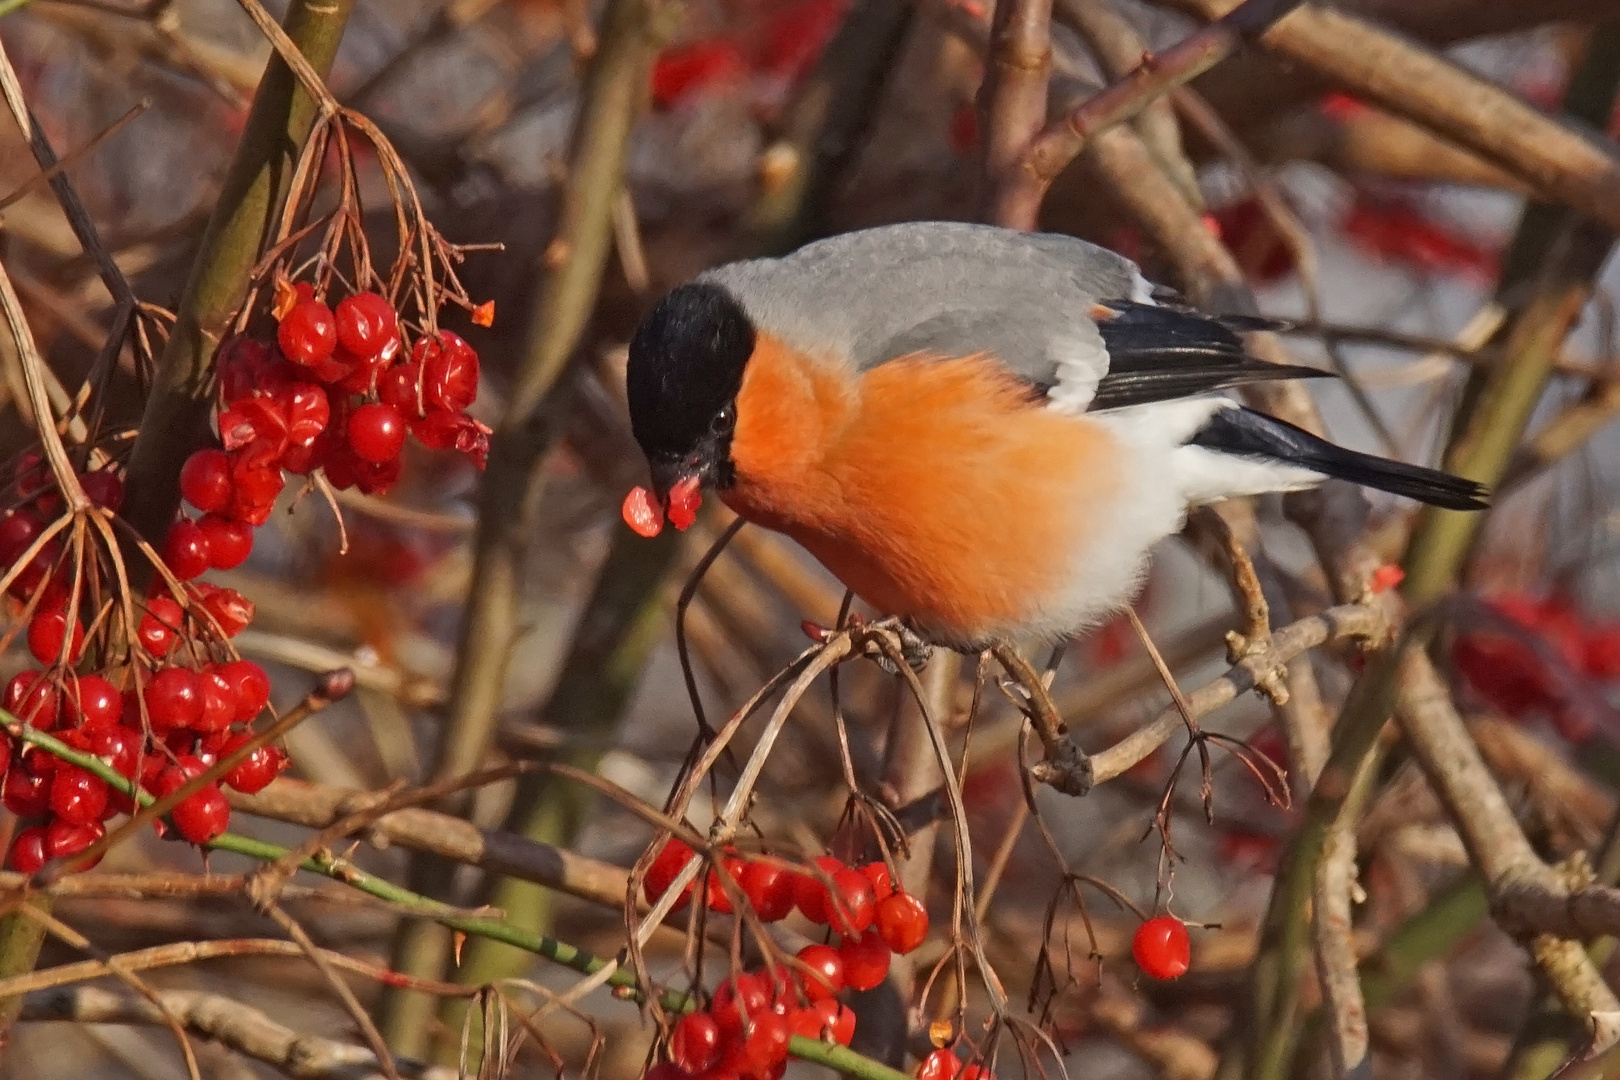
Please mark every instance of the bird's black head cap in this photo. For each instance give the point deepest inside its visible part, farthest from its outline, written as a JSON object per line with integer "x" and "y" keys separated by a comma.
{"x": 686, "y": 366}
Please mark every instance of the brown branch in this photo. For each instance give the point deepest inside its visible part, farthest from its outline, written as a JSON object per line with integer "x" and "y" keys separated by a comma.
{"x": 1560, "y": 162}
{"x": 1012, "y": 104}
{"x": 240, "y": 1027}
{"x": 1019, "y": 196}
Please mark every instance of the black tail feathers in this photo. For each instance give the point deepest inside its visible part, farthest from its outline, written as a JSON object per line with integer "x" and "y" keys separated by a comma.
{"x": 1251, "y": 434}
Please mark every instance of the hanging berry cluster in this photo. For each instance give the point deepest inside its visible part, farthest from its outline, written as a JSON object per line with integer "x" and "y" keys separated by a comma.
{"x": 745, "y": 1030}
{"x": 151, "y": 683}
{"x": 151, "y": 686}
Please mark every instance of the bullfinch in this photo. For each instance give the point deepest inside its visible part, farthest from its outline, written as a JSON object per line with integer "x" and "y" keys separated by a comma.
{"x": 981, "y": 431}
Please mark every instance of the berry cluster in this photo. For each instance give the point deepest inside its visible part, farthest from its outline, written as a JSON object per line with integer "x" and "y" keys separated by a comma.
{"x": 1535, "y": 674}
{"x": 745, "y": 1031}
{"x": 160, "y": 720}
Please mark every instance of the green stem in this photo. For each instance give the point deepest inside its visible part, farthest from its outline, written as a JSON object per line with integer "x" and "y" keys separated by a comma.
{"x": 175, "y": 421}
{"x": 501, "y": 930}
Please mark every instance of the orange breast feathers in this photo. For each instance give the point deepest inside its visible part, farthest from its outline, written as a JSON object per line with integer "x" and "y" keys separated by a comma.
{"x": 938, "y": 489}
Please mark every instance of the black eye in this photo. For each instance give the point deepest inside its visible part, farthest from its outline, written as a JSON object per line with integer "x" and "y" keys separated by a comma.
{"x": 724, "y": 421}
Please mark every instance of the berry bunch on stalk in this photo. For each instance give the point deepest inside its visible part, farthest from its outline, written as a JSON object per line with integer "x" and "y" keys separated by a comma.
{"x": 328, "y": 370}
{"x": 753, "y": 1014}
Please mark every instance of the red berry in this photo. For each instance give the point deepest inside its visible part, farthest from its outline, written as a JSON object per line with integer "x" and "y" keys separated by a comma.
{"x": 902, "y": 920}
{"x": 976, "y": 1071}
{"x": 77, "y": 796}
{"x": 205, "y": 480}
{"x": 449, "y": 370}
{"x": 308, "y": 413}
{"x": 5, "y": 753}
{"x": 939, "y": 1065}
{"x": 27, "y": 853}
{"x": 770, "y": 890}
{"x": 229, "y": 541}
{"x": 255, "y": 771}
{"x": 866, "y": 961}
{"x": 159, "y": 625}
{"x": 250, "y": 685}
{"x": 308, "y": 333}
{"x": 1162, "y": 948}
{"x": 376, "y": 433}
{"x": 717, "y": 899}
{"x": 98, "y": 704}
{"x": 399, "y": 386}
{"x": 27, "y": 790}
{"x": 230, "y": 609}
{"x": 202, "y": 816}
{"x": 120, "y": 746}
{"x": 64, "y": 838}
{"x": 852, "y": 913}
{"x": 882, "y": 881}
{"x": 48, "y": 638}
{"x": 661, "y": 874}
{"x": 765, "y": 1042}
{"x": 694, "y": 1045}
{"x": 18, "y": 530}
{"x": 219, "y": 701}
{"x": 185, "y": 551}
{"x": 365, "y": 323}
{"x": 34, "y": 699}
{"x": 824, "y": 1018}
{"x": 737, "y": 1000}
{"x": 826, "y": 975}
{"x": 105, "y": 488}
{"x": 811, "y": 894}
{"x": 174, "y": 699}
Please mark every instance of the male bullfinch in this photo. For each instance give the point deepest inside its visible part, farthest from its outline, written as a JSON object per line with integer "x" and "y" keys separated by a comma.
{"x": 979, "y": 430}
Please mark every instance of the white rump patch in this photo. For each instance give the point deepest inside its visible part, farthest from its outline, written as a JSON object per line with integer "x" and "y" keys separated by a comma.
{"x": 1081, "y": 364}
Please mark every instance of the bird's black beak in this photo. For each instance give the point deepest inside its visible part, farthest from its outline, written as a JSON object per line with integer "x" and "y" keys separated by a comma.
{"x": 669, "y": 473}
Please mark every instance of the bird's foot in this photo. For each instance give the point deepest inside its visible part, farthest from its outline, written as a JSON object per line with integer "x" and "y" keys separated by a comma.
{"x": 911, "y": 646}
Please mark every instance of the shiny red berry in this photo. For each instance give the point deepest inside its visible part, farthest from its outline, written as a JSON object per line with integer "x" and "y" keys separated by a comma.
{"x": 255, "y": 771}
{"x": 97, "y": 703}
{"x": 308, "y": 412}
{"x": 770, "y": 890}
{"x": 450, "y": 371}
{"x": 18, "y": 530}
{"x": 737, "y": 999}
{"x": 250, "y": 685}
{"x": 48, "y": 633}
{"x": 174, "y": 699}
{"x": 105, "y": 488}
{"x": 826, "y": 975}
{"x": 26, "y": 791}
{"x": 661, "y": 874}
{"x": 765, "y": 1042}
{"x": 811, "y": 894}
{"x": 1162, "y": 948}
{"x": 902, "y": 920}
{"x": 694, "y": 1045}
{"x": 64, "y": 838}
{"x": 866, "y": 961}
{"x": 852, "y": 912}
{"x": 202, "y": 816}
{"x": 219, "y": 701}
{"x": 229, "y": 541}
{"x": 34, "y": 699}
{"x": 399, "y": 386}
{"x": 308, "y": 333}
{"x": 229, "y": 608}
{"x": 205, "y": 480}
{"x": 27, "y": 853}
{"x": 939, "y": 1065}
{"x": 718, "y": 900}
{"x": 366, "y": 323}
{"x": 185, "y": 550}
{"x": 824, "y": 1019}
{"x": 77, "y": 796}
{"x": 882, "y": 881}
{"x": 376, "y": 432}
{"x": 159, "y": 625}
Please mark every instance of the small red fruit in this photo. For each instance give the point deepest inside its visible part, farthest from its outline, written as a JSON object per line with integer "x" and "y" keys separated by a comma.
{"x": 826, "y": 975}
{"x": 205, "y": 480}
{"x": 376, "y": 433}
{"x": 27, "y": 853}
{"x": 770, "y": 890}
{"x": 939, "y": 1065}
{"x": 1162, "y": 948}
{"x": 174, "y": 699}
{"x": 229, "y": 541}
{"x": 824, "y": 1018}
{"x": 765, "y": 1042}
{"x": 902, "y": 920}
{"x": 48, "y": 638}
{"x": 64, "y": 838}
{"x": 811, "y": 894}
{"x": 105, "y": 488}
{"x": 159, "y": 625}
{"x": 308, "y": 333}
{"x": 739, "y": 998}
{"x": 185, "y": 551}
{"x": 77, "y": 796}
{"x": 26, "y": 791}
{"x": 642, "y": 512}
{"x": 661, "y": 874}
{"x": 250, "y": 685}
{"x": 97, "y": 703}
{"x": 694, "y": 1045}
{"x": 34, "y": 699}
{"x": 256, "y": 771}
{"x": 853, "y": 910}
{"x": 866, "y": 961}
{"x": 202, "y": 816}
{"x": 365, "y": 323}
{"x": 718, "y": 901}
{"x": 882, "y": 881}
